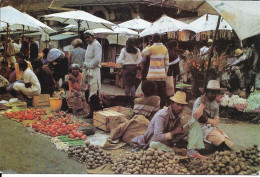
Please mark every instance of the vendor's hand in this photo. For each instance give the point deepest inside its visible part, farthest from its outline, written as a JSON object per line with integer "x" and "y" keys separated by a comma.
{"x": 180, "y": 151}
{"x": 86, "y": 66}
{"x": 203, "y": 119}
{"x": 203, "y": 98}
{"x": 220, "y": 131}
{"x": 178, "y": 130}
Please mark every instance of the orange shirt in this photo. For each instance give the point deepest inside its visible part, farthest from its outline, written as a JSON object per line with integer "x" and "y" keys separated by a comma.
{"x": 77, "y": 84}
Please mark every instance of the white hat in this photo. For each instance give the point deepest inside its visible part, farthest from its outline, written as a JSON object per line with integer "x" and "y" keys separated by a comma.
{"x": 213, "y": 85}
{"x": 210, "y": 40}
{"x": 91, "y": 32}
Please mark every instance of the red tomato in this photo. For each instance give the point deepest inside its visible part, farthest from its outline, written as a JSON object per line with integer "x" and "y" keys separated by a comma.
{"x": 83, "y": 137}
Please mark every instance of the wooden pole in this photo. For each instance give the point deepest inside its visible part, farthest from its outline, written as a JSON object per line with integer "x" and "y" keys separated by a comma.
{"x": 78, "y": 27}
{"x": 211, "y": 54}
{"x": 23, "y": 30}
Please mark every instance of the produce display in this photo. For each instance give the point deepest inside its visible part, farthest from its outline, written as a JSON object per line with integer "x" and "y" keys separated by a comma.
{"x": 182, "y": 85}
{"x": 16, "y": 104}
{"x": 253, "y": 102}
{"x": 29, "y": 114}
{"x": 234, "y": 101}
{"x": 243, "y": 162}
{"x": 59, "y": 125}
{"x": 149, "y": 162}
{"x": 111, "y": 64}
{"x": 91, "y": 155}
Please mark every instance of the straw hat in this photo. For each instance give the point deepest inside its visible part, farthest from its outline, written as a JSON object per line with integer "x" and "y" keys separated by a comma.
{"x": 238, "y": 52}
{"x": 179, "y": 97}
{"x": 210, "y": 40}
{"x": 213, "y": 85}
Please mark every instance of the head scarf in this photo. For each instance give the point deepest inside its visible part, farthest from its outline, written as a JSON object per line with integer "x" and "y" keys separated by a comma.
{"x": 76, "y": 41}
{"x": 75, "y": 66}
{"x": 54, "y": 54}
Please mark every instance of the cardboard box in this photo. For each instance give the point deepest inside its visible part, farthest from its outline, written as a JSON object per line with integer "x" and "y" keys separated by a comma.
{"x": 102, "y": 119}
{"x": 41, "y": 100}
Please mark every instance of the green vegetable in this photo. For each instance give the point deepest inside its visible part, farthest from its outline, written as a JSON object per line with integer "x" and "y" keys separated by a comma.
{"x": 253, "y": 101}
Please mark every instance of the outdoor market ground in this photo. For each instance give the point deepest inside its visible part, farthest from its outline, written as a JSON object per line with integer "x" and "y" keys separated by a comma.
{"x": 24, "y": 152}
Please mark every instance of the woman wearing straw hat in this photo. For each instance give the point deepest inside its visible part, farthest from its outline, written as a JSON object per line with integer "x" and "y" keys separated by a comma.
{"x": 203, "y": 125}
{"x": 165, "y": 129}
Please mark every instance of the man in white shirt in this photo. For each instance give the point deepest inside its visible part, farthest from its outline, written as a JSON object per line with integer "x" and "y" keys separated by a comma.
{"x": 205, "y": 50}
{"x": 31, "y": 86}
{"x": 92, "y": 67}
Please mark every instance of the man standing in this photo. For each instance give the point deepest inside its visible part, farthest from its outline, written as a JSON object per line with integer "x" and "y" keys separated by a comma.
{"x": 206, "y": 49}
{"x": 203, "y": 125}
{"x": 165, "y": 129}
{"x": 158, "y": 68}
{"x": 92, "y": 71}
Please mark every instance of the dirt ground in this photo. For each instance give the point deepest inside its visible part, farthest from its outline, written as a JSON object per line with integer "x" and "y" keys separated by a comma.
{"x": 24, "y": 152}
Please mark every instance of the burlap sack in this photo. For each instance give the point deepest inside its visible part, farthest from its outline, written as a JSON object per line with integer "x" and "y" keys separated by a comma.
{"x": 115, "y": 122}
{"x": 127, "y": 131}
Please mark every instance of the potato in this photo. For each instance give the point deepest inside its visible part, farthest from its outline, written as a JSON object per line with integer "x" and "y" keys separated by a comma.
{"x": 160, "y": 165}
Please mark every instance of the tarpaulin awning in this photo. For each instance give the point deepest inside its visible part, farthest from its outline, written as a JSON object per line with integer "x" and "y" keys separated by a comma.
{"x": 243, "y": 16}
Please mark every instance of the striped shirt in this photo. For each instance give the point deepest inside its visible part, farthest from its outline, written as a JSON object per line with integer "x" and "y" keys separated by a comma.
{"x": 159, "y": 59}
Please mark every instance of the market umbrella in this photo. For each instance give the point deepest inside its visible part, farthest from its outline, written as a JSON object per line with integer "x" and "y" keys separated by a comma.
{"x": 208, "y": 23}
{"x": 243, "y": 16}
{"x": 135, "y": 24}
{"x": 12, "y": 18}
{"x": 163, "y": 25}
{"x": 81, "y": 19}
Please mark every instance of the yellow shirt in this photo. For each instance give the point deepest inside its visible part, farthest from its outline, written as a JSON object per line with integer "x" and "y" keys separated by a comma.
{"x": 18, "y": 72}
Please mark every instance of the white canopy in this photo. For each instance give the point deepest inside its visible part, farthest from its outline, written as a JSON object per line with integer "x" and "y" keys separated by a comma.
{"x": 163, "y": 25}
{"x": 135, "y": 24}
{"x": 82, "y": 18}
{"x": 124, "y": 31}
{"x": 17, "y": 20}
{"x": 243, "y": 16}
{"x": 207, "y": 23}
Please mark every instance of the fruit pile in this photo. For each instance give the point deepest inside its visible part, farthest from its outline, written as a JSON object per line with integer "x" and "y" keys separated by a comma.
{"x": 111, "y": 64}
{"x": 29, "y": 114}
{"x": 56, "y": 126}
{"x": 92, "y": 156}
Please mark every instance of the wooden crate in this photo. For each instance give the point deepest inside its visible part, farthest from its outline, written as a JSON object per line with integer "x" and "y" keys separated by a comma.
{"x": 119, "y": 109}
{"x": 101, "y": 119}
{"x": 41, "y": 100}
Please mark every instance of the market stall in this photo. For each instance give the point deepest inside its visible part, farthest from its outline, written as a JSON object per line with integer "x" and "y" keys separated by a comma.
{"x": 238, "y": 108}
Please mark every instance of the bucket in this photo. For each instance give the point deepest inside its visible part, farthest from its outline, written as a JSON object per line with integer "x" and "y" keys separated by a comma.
{"x": 55, "y": 104}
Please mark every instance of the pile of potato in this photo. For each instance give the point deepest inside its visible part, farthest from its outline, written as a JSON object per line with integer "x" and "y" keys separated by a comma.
{"x": 148, "y": 162}
{"x": 92, "y": 156}
{"x": 226, "y": 163}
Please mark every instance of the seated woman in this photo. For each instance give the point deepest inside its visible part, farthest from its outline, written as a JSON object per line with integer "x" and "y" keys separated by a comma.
{"x": 150, "y": 103}
{"x": 76, "y": 97}
{"x": 44, "y": 76}
{"x": 30, "y": 86}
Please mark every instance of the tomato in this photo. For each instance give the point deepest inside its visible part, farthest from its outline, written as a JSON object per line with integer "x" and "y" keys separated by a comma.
{"x": 83, "y": 137}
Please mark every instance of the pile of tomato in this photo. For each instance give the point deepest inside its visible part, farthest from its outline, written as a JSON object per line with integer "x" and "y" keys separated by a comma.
{"x": 57, "y": 126}
{"x": 29, "y": 114}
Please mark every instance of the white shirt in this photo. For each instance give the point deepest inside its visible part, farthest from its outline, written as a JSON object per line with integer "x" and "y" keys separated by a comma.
{"x": 30, "y": 77}
{"x": 126, "y": 58}
{"x": 93, "y": 54}
{"x": 203, "y": 50}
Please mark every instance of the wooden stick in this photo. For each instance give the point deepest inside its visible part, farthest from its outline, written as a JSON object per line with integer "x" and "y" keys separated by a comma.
{"x": 210, "y": 55}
